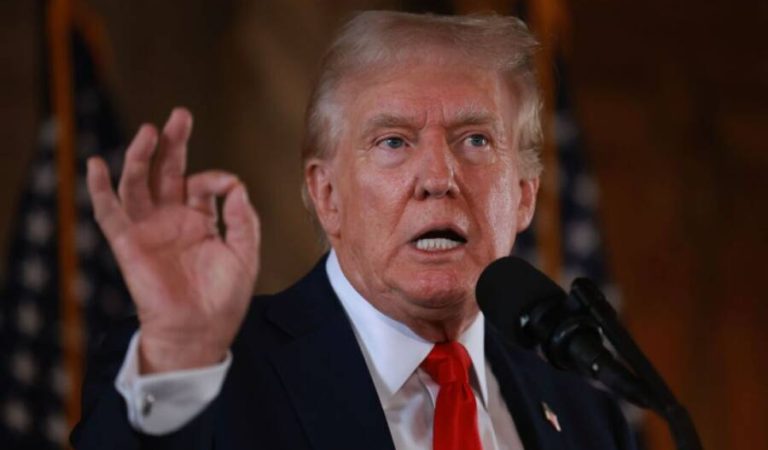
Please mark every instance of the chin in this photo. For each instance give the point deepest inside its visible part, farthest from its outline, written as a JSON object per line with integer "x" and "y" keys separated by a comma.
{"x": 436, "y": 289}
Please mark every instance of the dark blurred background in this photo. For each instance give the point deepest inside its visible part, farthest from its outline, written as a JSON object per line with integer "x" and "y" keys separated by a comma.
{"x": 671, "y": 97}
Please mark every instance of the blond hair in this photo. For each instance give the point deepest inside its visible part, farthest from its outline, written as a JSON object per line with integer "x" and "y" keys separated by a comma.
{"x": 376, "y": 38}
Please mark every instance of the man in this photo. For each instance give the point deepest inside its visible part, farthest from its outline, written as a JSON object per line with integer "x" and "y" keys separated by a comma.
{"x": 420, "y": 166}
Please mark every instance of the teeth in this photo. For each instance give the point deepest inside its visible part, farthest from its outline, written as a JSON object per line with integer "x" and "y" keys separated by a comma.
{"x": 436, "y": 244}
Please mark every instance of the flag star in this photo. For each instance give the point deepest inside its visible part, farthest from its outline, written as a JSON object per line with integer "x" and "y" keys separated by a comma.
{"x": 24, "y": 367}
{"x": 56, "y": 428}
{"x": 39, "y": 227}
{"x": 59, "y": 380}
{"x": 17, "y": 416}
{"x": 585, "y": 191}
{"x": 34, "y": 274}
{"x": 566, "y": 131}
{"x": 28, "y": 319}
{"x": 48, "y": 132}
{"x": 44, "y": 179}
{"x": 582, "y": 238}
{"x": 85, "y": 238}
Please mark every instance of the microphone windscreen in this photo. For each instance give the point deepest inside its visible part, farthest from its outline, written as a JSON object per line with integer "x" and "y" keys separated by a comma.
{"x": 508, "y": 288}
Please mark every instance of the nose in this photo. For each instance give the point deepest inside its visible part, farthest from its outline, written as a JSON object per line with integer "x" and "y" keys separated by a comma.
{"x": 436, "y": 176}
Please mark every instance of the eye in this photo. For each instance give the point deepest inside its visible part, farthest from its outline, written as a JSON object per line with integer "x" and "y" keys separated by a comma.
{"x": 391, "y": 142}
{"x": 477, "y": 140}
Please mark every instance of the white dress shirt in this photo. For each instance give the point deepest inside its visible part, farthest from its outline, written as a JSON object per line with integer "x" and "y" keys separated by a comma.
{"x": 159, "y": 404}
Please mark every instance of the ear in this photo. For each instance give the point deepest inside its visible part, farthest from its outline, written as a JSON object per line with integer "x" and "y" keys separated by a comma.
{"x": 318, "y": 176}
{"x": 527, "y": 206}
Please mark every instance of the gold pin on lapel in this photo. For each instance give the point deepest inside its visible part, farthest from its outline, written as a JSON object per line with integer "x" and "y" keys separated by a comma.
{"x": 551, "y": 417}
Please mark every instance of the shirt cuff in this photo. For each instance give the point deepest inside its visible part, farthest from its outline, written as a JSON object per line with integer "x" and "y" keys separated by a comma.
{"x": 162, "y": 403}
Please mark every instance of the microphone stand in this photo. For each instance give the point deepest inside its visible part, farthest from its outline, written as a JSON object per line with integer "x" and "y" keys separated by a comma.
{"x": 648, "y": 385}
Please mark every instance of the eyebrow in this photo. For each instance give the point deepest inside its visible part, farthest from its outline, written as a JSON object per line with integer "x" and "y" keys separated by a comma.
{"x": 389, "y": 120}
{"x": 474, "y": 115}
{"x": 470, "y": 115}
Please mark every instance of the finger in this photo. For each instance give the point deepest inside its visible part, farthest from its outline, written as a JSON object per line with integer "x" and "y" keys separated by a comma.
{"x": 243, "y": 227}
{"x": 106, "y": 207}
{"x": 134, "y": 181}
{"x": 204, "y": 187}
{"x": 167, "y": 182}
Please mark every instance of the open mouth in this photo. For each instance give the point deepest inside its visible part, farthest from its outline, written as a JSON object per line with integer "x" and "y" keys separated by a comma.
{"x": 439, "y": 240}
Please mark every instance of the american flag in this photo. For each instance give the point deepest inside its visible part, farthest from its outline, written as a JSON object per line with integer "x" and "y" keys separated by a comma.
{"x": 33, "y": 382}
{"x": 582, "y": 246}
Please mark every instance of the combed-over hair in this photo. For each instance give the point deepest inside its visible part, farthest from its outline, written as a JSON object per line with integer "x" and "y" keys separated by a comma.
{"x": 374, "y": 39}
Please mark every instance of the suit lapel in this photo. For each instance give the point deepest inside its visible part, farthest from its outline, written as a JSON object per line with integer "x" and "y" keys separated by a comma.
{"x": 327, "y": 380}
{"x": 527, "y": 397}
{"x": 323, "y": 369}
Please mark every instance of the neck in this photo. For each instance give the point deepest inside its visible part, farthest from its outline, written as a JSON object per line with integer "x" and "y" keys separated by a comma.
{"x": 435, "y": 319}
{"x": 445, "y": 330}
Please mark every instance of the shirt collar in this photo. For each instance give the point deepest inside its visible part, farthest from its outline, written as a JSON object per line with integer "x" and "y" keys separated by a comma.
{"x": 392, "y": 350}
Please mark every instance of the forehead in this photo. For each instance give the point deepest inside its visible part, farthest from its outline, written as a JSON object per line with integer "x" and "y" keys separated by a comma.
{"x": 427, "y": 92}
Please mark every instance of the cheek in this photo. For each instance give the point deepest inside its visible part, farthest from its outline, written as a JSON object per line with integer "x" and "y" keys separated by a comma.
{"x": 500, "y": 218}
{"x": 371, "y": 202}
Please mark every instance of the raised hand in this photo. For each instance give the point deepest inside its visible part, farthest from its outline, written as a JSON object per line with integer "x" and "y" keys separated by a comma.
{"x": 191, "y": 285}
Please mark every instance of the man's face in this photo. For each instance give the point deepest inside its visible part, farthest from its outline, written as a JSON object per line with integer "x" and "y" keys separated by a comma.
{"x": 424, "y": 189}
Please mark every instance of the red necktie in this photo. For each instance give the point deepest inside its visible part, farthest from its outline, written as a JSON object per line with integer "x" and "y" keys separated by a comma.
{"x": 455, "y": 412}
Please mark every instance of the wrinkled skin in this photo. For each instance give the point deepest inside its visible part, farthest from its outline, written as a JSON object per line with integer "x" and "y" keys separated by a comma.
{"x": 426, "y": 147}
{"x": 191, "y": 286}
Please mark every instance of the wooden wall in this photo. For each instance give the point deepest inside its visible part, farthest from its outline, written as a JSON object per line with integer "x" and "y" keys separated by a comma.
{"x": 20, "y": 41}
{"x": 672, "y": 97}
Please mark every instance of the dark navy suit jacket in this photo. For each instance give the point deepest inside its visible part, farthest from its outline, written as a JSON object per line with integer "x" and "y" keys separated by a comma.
{"x": 299, "y": 381}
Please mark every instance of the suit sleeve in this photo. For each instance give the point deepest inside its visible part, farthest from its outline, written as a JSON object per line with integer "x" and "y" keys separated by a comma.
{"x": 104, "y": 424}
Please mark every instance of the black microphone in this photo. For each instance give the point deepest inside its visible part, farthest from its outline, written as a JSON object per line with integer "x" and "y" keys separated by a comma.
{"x": 532, "y": 310}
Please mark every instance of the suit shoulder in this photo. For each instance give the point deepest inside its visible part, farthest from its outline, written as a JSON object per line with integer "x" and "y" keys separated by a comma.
{"x": 572, "y": 386}
{"x": 578, "y": 401}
